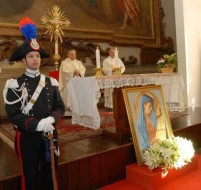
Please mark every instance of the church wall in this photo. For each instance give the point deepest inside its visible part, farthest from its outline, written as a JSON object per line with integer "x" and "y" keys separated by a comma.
{"x": 192, "y": 26}
{"x": 188, "y": 31}
{"x": 181, "y": 46}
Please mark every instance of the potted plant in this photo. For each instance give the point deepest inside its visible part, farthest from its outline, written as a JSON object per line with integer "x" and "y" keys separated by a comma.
{"x": 167, "y": 63}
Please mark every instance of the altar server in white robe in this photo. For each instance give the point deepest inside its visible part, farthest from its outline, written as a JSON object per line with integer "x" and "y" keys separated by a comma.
{"x": 70, "y": 68}
{"x": 109, "y": 64}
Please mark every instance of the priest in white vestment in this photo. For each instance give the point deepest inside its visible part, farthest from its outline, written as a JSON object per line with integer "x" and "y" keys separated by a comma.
{"x": 109, "y": 64}
{"x": 69, "y": 68}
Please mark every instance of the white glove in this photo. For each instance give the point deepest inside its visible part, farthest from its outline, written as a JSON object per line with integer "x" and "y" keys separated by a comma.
{"x": 48, "y": 129}
{"x": 45, "y": 124}
{"x": 47, "y": 120}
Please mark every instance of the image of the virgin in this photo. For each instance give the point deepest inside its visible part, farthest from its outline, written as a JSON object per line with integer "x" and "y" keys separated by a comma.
{"x": 144, "y": 139}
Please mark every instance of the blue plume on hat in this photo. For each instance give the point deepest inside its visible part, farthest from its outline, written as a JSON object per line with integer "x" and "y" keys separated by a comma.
{"x": 28, "y": 28}
{"x": 29, "y": 31}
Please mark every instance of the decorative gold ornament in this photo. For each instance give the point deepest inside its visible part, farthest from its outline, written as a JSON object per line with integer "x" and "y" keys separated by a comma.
{"x": 117, "y": 71}
{"x": 99, "y": 72}
{"x": 55, "y": 21}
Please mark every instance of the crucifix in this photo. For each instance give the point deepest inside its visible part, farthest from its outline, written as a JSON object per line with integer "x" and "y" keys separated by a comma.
{"x": 55, "y": 21}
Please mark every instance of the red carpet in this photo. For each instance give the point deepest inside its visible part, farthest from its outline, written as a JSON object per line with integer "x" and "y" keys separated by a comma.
{"x": 67, "y": 131}
{"x": 189, "y": 181}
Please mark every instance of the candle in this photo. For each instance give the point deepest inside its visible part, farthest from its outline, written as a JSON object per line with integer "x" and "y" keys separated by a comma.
{"x": 116, "y": 57}
{"x": 97, "y": 58}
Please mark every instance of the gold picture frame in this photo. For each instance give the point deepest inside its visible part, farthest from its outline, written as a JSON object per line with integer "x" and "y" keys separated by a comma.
{"x": 148, "y": 116}
{"x": 96, "y": 20}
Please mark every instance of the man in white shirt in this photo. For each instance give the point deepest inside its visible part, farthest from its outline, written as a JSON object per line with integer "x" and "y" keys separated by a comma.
{"x": 69, "y": 68}
{"x": 108, "y": 69}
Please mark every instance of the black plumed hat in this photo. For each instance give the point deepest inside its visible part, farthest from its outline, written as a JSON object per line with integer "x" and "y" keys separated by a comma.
{"x": 29, "y": 31}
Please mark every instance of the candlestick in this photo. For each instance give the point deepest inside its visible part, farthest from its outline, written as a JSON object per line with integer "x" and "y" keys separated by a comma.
{"x": 99, "y": 72}
{"x": 97, "y": 58}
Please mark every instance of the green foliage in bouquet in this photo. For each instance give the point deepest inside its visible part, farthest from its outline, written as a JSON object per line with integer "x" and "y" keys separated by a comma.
{"x": 167, "y": 61}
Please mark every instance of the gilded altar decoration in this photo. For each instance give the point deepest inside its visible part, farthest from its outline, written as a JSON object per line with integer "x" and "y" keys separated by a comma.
{"x": 99, "y": 72}
{"x": 167, "y": 63}
{"x": 55, "y": 21}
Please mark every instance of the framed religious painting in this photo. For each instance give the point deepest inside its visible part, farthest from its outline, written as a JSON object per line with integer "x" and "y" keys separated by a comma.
{"x": 148, "y": 117}
{"x": 130, "y": 22}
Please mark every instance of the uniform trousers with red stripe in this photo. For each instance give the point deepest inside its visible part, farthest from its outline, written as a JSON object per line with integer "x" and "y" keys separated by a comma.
{"x": 34, "y": 156}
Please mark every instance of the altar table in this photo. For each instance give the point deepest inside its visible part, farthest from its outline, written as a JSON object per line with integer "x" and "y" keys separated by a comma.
{"x": 171, "y": 83}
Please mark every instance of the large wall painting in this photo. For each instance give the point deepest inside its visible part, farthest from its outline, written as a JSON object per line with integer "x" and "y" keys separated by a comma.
{"x": 134, "y": 22}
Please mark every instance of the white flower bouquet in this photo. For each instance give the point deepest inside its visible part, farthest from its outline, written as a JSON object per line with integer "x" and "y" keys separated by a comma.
{"x": 169, "y": 153}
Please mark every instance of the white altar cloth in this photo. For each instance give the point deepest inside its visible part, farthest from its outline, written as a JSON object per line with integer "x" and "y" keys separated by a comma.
{"x": 84, "y": 94}
{"x": 171, "y": 83}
